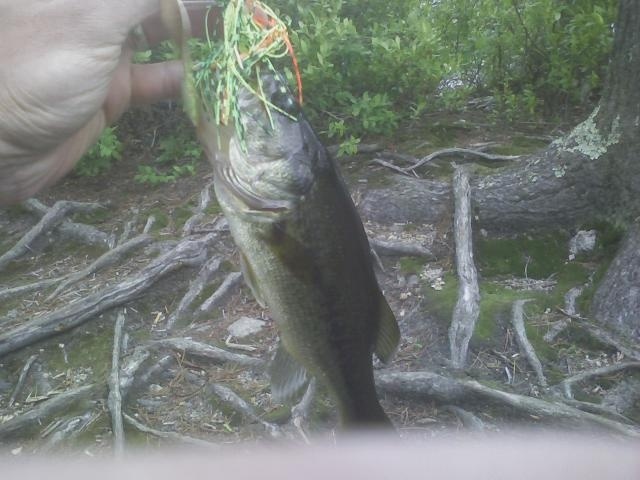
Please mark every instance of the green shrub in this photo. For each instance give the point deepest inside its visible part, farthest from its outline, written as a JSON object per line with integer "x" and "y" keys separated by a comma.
{"x": 101, "y": 156}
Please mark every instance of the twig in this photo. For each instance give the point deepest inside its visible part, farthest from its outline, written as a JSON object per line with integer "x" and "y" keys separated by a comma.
{"x": 233, "y": 400}
{"x": 203, "y": 350}
{"x": 37, "y": 415}
{"x": 449, "y": 390}
{"x": 187, "y": 253}
{"x": 233, "y": 280}
{"x": 460, "y": 151}
{"x": 103, "y": 261}
{"x": 22, "y": 379}
{"x": 114, "y": 399}
{"x": 567, "y": 383}
{"x": 169, "y": 435}
{"x": 52, "y": 218}
{"x": 385, "y": 247}
{"x": 391, "y": 166}
{"x": 208, "y": 270}
{"x": 517, "y": 320}
{"x": 467, "y": 308}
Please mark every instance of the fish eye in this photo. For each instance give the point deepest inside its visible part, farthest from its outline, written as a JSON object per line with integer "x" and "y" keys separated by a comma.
{"x": 285, "y": 101}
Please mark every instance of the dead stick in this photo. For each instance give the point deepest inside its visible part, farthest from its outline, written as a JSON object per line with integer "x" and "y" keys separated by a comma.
{"x": 517, "y": 320}
{"x": 467, "y": 308}
{"x": 23, "y": 378}
{"x": 385, "y": 247}
{"x": 567, "y": 383}
{"x": 114, "y": 399}
{"x": 460, "y": 151}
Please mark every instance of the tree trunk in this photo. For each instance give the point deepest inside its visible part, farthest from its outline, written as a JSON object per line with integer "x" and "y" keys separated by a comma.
{"x": 592, "y": 173}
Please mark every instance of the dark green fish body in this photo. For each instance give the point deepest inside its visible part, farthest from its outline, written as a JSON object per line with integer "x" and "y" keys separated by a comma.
{"x": 306, "y": 256}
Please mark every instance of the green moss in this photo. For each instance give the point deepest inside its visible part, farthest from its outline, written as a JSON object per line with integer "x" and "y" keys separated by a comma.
{"x": 181, "y": 215}
{"x": 440, "y": 303}
{"x": 162, "y": 219}
{"x": 411, "y": 265}
{"x": 538, "y": 257}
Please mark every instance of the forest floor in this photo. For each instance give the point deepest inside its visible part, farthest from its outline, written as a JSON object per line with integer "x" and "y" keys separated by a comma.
{"x": 178, "y": 392}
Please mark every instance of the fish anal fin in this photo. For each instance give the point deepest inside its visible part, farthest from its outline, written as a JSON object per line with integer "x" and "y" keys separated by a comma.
{"x": 287, "y": 376}
{"x": 251, "y": 280}
{"x": 388, "y": 338}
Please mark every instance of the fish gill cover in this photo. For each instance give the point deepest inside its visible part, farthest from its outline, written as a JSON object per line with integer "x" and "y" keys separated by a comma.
{"x": 240, "y": 46}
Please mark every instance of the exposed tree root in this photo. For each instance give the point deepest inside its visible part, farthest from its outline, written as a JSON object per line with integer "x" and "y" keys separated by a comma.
{"x": 208, "y": 270}
{"x": 391, "y": 166}
{"x": 568, "y": 383}
{"x": 21, "y": 424}
{"x": 385, "y": 247}
{"x": 129, "y": 370}
{"x": 570, "y": 309}
{"x": 597, "y": 409}
{"x": 230, "y": 283}
{"x": 129, "y": 227}
{"x": 469, "y": 421}
{"x": 53, "y": 217}
{"x": 196, "y": 218}
{"x": 608, "y": 338}
{"x": 233, "y": 400}
{"x": 173, "y": 436}
{"x": 114, "y": 399}
{"x": 106, "y": 260}
{"x": 30, "y": 287}
{"x": 22, "y": 379}
{"x": 67, "y": 429}
{"x": 69, "y": 230}
{"x": 448, "y": 390}
{"x": 467, "y": 308}
{"x": 203, "y": 350}
{"x": 517, "y": 320}
{"x": 187, "y": 253}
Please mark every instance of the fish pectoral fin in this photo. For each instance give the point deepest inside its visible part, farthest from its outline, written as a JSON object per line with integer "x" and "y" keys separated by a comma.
{"x": 251, "y": 280}
{"x": 287, "y": 375}
{"x": 388, "y": 338}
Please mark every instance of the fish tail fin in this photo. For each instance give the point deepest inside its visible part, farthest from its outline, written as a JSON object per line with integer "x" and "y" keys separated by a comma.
{"x": 287, "y": 376}
{"x": 388, "y": 337}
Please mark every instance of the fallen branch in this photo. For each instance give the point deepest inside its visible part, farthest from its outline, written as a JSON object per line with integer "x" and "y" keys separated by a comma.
{"x": 53, "y": 217}
{"x": 176, "y": 437}
{"x": 114, "y": 399}
{"x": 203, "y": 350}
{"x": 448, "y": 390}
{"x": 517, "y": 320}
{"x": 230, "y": 283}
{"x": 208, "y": 270}
{"x": 80, "y": 232}
{"x": 233, "y": 400}
{"x": 19, "y": 425}
{"x": 447, "y": 152}
{"x": 187, "y": 253}
{"x": 568, "y": 383}
{"x": 103, "y": 261}
{"x": 22, "y": 378}
{"x": 467, "y": 308}
{"x": 385, "y": 247}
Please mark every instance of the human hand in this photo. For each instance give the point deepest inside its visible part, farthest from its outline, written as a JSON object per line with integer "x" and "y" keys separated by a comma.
{"x": 66, "y": 73}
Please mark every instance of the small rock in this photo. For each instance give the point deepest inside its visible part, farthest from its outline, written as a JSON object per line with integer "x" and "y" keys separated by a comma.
{"x": 583, "y": 241}
{"x": 245, "y": 326}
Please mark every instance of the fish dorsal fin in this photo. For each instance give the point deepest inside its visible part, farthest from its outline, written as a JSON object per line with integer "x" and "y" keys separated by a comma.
{"x": 388, "y": 338}
{"x": 251, "y": 280}
{"x": 287, "y": 375}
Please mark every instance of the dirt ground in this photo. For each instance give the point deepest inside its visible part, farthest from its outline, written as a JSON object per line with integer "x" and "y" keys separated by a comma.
{"x": 176, "y": 395}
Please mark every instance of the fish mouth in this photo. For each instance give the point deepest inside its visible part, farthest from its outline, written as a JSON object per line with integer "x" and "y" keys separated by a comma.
{"x": 252, "y": 202}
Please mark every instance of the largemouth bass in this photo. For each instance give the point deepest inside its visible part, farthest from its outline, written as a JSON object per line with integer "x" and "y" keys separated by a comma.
{"x": 305, "y": 255}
